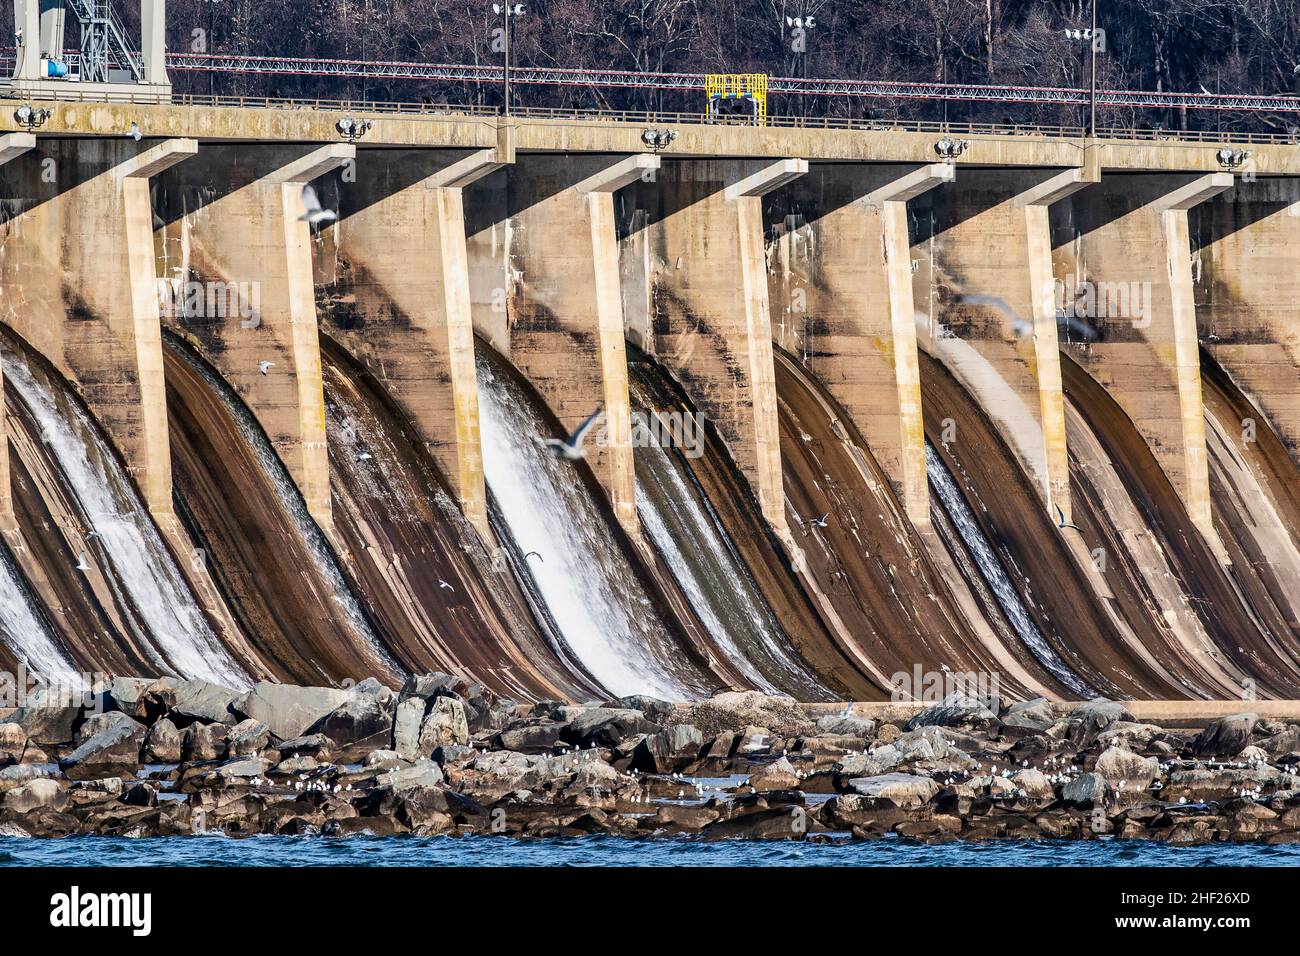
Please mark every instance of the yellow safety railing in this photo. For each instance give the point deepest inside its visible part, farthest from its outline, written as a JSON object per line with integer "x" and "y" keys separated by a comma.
{"x": 751, "y": 87}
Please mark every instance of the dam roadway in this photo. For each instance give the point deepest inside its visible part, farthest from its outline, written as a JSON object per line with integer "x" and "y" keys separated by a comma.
{"x": 860, "y": 254}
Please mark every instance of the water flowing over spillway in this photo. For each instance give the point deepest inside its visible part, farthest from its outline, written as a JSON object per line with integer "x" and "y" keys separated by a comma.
{"x": 424, "y": 575}
{"x": 995, "y": 575}
{"x": 599, "y": 607}
{"x": 714, "y": 579}
{"x": 273, "y": 563}
{"x": 121, "y": 537}
{"x": 23, "y": 631}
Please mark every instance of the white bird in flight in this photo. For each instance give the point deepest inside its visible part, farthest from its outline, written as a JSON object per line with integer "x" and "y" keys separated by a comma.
{"x": 313, "y": 213}
{"x": 265, "y": 366}
{"x": 571, "y": 448}
{"x": 81, "y": 562}
{"x": 1062, "y": 523}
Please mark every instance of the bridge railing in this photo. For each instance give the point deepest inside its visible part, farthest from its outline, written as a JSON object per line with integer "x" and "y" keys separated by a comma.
{"x": 442, "y": 111}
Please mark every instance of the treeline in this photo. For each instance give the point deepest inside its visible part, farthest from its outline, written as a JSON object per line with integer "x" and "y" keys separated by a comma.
{"x": 1172, "y": 45}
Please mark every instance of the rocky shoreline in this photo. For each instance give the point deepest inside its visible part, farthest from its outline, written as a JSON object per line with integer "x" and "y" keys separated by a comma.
{"x": 165, "y": 757}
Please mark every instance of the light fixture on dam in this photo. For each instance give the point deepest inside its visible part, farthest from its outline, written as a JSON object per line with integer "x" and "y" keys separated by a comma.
{"x": 353, "y": 129}
{"x": 949, "y": 148}
{"x": 1230, "y": 158}
{"x": 32, "y": 116}
{"x": 658, "y": 139}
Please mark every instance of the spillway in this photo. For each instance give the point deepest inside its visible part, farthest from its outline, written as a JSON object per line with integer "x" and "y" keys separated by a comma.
{"x": 120, "y": 536}
{"x": 598, "y": 605}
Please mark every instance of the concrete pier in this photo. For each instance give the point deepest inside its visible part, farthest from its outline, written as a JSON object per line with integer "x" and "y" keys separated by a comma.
{"x": 410, "y": 325}
{"x": 711, "y": 323}
{"x": 843, "y": 284}
{"x": 80, "y": 285}
{"x": 233, "y": 226}
{"x": 1247, "y": 281}
{"x": 1131, "y": 282}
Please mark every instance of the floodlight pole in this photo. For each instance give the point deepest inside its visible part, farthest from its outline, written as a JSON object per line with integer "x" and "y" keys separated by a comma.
{"x": 1092, "y": 75}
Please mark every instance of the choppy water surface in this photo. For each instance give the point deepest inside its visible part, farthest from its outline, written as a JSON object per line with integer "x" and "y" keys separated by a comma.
{"x": 615, "y": 851}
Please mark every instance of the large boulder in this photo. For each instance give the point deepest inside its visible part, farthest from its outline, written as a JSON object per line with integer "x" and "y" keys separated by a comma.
{"x": 778, "y": 775}
{"x": 846, "y": 725}
{"x": 14, "y": 777}
{"x": 903, "y": 790}
{"x": 1028, "y": 717}
{"x": 956, "y": 710}
{"x": 36, "y": 795}
{"x": 202, "y": 700}
{"x": 606, "y": 727}
{"x": 362, "y": 723}
{"x": 50, "y": 718}
{"x": 423, "y": 773}
{"x": 531, "y": 738}
{"x": 1118, "y": 765}
{"x": 204, "y": 742}
{"x": 1225, "y": 737}
{"x": 129, "y": 695}
{"x": 444, "y": 724}
{"x": 407, "y": 723}
{"x": 163, "y": 743}
{"x": 669, "y": 751}
{"x": 1283, "y": 742}
{"x": 1086, "y": 791}
{"x": 113, "y": 751}
{"x": 736, "y": 710}
{"x": 247, "y": 738}
{"x": 13, "y": 744}
{"x": 287, "y": 710}
{"x": 1093, "y": 716}
{"x": 656, "y": 711}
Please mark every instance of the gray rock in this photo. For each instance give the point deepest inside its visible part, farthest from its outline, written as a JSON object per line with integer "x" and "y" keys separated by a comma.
{"x": 247, "y": 738}
{"x": 362, "y": 723}
{"x": 1086, "y": 791}
{"x": 127, "y": 694}
{"x": 1284, "y": 742}
{"x": 16, "y": 776}
{"x": 1029, "y": 717}
{"x": 1118, "y": 764}
{"x": 313, "y": 745}
{"x": 437, "y": 684}
{"x": 13, "y": 744}
{"x": 445, "y": 724}
{"x": 163, "y": 743}
{"x": 423, "y": 773}
{"x": 668, "y": 751}
{"x": 1034, "y": 783}
{"x": 406, "y": 727}
{"x": 956, "y": 710}
{"x": 50, "y": 719}
{"x": 850, "y": 726}
{"x": 531, "y": 738}
{"x": 289, "y": 711}
{"x": 112, "y": 751}
{"x": 241, "y": 769}
{"x": 735, "y": 710}
{"x": 1095, "y": 715}
{"x": 1225, "y": 737}
{"x": 201, "y": 700}
{"x": 656, "y": 711}
{"x": 903, "y": 790}
{"x": 778, "y": 775}
{"x": 606, "y": 727}
{"x": 204, "y": 742}
{"x": 35, "y": 795}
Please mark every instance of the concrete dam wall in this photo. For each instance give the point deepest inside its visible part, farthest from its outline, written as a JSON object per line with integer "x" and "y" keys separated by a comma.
{"x": 1030, "y": 413}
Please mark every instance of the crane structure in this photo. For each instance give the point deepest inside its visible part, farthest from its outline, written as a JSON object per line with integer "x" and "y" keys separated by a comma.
{"x": 106, "y": 61}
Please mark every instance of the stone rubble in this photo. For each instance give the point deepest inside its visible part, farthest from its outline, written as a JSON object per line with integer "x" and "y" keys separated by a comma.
{"x": 444, "y": 756}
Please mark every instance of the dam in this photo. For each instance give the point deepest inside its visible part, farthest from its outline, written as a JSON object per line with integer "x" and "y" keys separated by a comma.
{"x": 872, "y": 402}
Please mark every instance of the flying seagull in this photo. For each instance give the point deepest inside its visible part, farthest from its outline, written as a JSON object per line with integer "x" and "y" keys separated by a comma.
{"x": 313, "y": 213}
{"x": 134, "y": 132}
{"x": 364, "y": 456}
{"x": 571, "y": 448}
{"x": 81, "y": 562}
{"x": 1062, "y": 523}
{"x": 534, "y": 554}
{"x": 265, "y": 366}
{"x": 1019, "y": 327}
